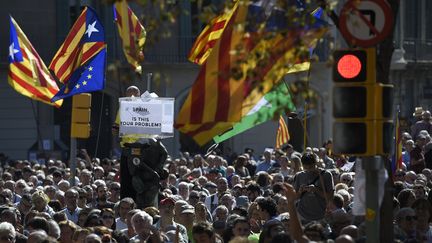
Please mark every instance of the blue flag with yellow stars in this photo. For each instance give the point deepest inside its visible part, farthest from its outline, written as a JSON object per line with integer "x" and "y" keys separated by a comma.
{"x": 89, "y": 77}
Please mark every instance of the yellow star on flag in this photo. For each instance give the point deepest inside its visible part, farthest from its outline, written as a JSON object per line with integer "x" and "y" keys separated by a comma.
{"x": 84, "y": 82}
{"x": 90, "y": 68}
{"x": 77, "y": 86}
{"x": 89, "y": 76}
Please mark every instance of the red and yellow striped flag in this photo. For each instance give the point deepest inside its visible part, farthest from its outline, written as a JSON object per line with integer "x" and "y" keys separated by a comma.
{"x": 223, "y": 92}
{"x": 28, "y": 74}
{"x": 207, "y": 39}
{"x": 82, "y": 44}
{"x": 282, "y": 135}
{"x": 132, "y": 34}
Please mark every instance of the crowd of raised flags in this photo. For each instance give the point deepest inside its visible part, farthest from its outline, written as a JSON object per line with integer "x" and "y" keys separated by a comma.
{"x": 80, "y": 62}
{"x": 243, "y": 53}
{"x": 242, "y": 66}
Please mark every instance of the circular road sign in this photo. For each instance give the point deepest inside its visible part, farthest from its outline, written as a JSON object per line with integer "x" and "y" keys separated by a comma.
{"x": 365, "y": 23}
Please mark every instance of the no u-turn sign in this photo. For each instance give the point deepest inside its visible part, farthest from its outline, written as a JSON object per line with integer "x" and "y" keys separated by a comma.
{"x": 365, "y": 23}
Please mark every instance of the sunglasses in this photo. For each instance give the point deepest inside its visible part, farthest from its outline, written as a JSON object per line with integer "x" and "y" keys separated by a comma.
{"x": 410, "y": 218}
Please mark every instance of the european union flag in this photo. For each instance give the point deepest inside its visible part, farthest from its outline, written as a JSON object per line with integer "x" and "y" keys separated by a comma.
{"x": 87, "y": 78}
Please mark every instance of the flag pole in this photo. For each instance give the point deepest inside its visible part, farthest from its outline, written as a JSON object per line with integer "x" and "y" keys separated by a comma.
{"x": 36, "y": 118}
{"x": 305, "y": 109}
{"x": 99, "y": 125}
{"x": 149, "y": 80}
{"x": 305, "y": 126}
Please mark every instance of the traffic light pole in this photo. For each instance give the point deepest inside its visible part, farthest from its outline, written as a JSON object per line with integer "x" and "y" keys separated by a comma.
{"x": 372, "y": 165}
{"x": 72, "y": 160}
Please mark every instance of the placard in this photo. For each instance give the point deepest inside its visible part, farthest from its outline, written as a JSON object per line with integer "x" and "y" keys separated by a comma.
{"x": 146, "y": 117}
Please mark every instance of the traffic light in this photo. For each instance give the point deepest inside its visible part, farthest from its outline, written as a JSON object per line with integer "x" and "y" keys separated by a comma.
{"x": 362, "y": 107}
{"x": 81, "y": 113}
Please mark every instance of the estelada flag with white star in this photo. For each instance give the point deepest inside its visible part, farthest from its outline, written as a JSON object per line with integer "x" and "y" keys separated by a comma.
{"x": 80, "y": 61}
{"x": 28, "y": 74}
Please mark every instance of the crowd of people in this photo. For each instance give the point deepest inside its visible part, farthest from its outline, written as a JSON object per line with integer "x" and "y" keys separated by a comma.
{"x": 279, "y": 196}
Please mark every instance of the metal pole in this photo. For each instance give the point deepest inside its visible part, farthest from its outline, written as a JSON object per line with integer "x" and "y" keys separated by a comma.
{"x": 72, "y": 160}
{"x": 372, "y": 165}
{"x": 149, "y": 80}
{"x": 305, "y": 126}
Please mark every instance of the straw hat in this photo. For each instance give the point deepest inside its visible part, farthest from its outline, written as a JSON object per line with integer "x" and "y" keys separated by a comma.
{"x": 418, "y": 111}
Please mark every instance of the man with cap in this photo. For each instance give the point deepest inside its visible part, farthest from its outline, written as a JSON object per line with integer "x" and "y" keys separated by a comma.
{"x": 424, "y": 124}
{"x": 210, "y": 187}
{"x": 166, "y": 221}
{"x": 187, "y": 218}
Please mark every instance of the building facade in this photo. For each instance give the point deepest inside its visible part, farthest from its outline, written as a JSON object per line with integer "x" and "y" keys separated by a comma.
{"x": 30, "y": 129}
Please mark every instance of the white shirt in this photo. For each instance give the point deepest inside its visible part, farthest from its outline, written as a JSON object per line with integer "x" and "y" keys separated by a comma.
{"x": 209, "y": 202}
{"x": 72, "y": 216}
{"x": 120, "y": 224}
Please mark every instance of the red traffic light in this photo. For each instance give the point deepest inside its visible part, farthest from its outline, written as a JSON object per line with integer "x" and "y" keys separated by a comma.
{"x": 349, "y": 66}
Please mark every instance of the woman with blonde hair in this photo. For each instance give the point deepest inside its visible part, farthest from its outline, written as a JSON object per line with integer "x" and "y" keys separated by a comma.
{"x": 40, "y": 202}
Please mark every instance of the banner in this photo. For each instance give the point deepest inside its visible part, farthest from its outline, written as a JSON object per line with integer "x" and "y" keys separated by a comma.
{"x": 146, "y": 117}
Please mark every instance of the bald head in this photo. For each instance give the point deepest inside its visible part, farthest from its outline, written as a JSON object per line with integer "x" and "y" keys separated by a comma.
{"x": 350, "y": 230}
{"x": 133, "y": 91}
{"x": 344, "y": 239}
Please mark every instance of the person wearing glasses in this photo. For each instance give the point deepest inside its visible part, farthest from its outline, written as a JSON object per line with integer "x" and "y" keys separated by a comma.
{"x": 114, "y": 188}
{"x": 108, "y": 218}
{"x": 406, "y": 224}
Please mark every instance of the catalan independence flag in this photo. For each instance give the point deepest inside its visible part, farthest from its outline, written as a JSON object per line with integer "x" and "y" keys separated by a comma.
{"x": 282, "y": 135}
{"x": 132, "y": 34}
{"x": 80, "y": 61}
{"x": 245, "y": 63}
{"x": 208, "y": 37}
{"x": 84, "y": 41}
{"x": 28, "y": 74}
